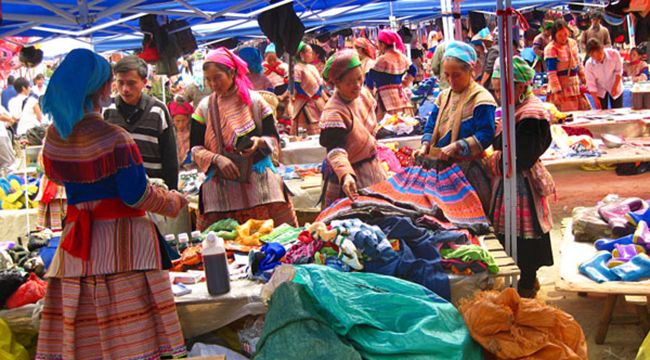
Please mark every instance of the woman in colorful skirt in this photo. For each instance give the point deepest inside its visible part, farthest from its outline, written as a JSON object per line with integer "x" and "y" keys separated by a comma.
{"x": 348, "y": 127}
{"x": 240, "y": 136}
{"x": 461, "y": 124}
{"x": 636, "y": 68}
{"x": 367, "y": 53}
{"x": 309, "y": 100}
{"x": 565, "y": 71}
{"x": 534, "y": 183}
{"x": 392, "y": 71}
{"x": 107, "y": 296}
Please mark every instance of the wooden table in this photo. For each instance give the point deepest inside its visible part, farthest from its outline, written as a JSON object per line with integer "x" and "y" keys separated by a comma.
{"x": 573, "y": 254}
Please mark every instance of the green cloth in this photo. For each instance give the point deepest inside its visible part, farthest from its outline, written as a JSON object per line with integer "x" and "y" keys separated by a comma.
{"x": 523, "y": 73}
{"x": 387, "y": 318}
{"x": 225, "y": 229}
{"x": 339, "y": 63}
{"x": 294, "y": 329}
{"x": 469, "y": 253}
{"x": 282, "y": 234}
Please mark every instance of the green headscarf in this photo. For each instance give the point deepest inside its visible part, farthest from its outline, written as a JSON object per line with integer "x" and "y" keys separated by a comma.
{"x": 339, "y": 63}
{"x": 523, "y": 73}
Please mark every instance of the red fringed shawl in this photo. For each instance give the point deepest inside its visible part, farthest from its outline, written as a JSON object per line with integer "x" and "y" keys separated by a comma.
{"x": 95, "y": 150}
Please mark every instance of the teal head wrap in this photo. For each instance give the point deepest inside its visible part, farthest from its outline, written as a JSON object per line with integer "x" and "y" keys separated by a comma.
{"x": 69, "y": 92}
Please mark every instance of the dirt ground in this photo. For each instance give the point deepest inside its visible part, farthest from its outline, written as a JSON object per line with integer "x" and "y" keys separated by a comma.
{"x": 582, "y": 188}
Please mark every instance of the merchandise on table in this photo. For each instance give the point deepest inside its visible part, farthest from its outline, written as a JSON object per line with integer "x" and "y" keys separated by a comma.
{"x": 511, "y": 327}
{"x": 16, "y": 194}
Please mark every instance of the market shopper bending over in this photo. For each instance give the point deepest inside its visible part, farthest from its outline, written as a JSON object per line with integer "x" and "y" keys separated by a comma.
{"x": 310, "y": 98}
{"x": 108, "y": 295}
{"x": 348, "y": 127}
{"x": 604, "y": 72}
{"x": 240, "y": 136}
{"x": 534, "y": 183}
{"x": 461, "y": 124}
{"x": 146, "y": 119}
{"x": 392, "y": 71}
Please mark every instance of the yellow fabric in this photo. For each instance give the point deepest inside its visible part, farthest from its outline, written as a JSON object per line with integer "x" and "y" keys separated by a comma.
{"x": 9, "y": 348}
{"x": 249, "y": 233}
{"x": 644, "y": 350}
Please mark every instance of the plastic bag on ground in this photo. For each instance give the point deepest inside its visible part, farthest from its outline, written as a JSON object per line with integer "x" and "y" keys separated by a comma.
{"x": 511, "y": 327}
{"x": 9, "y": 348}
{"x": 201, "y": 349}
{"x": 28, "y": 293}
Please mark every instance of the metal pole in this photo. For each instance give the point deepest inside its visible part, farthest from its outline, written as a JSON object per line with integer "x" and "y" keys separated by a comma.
{"x": 508, "y": 125}
{"x": 162, "y": 83}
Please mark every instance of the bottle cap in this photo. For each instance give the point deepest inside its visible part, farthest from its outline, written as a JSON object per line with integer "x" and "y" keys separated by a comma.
{"x": 196, "y": 234}
{"x": 183, "y": 238}
{"x": 170, "y": 237}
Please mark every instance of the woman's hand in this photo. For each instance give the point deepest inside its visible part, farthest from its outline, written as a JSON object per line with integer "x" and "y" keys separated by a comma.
{"x": 227, "y": 168}
{"x": 422, "y": 151}
{"x": 182, "y": 197}
{"x": 349, "y": 187}
{"x": 448, "y": 152}
{"x": 258, "y": 142}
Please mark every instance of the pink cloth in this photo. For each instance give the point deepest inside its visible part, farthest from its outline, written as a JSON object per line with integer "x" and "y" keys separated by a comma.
{"x": 227, "y": 58}
{"x": 390, "y": 37}
{"x": 180, "y": 109}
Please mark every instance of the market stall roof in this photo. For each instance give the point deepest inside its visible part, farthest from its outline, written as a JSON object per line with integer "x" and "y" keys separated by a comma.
{"x": 346, "y": 14}
{"x": 102, "y": 18}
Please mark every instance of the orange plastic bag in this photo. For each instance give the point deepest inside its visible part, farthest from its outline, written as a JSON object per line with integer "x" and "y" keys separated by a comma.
{"x": 511, "y": 327}
{"x": 28, "y": 293}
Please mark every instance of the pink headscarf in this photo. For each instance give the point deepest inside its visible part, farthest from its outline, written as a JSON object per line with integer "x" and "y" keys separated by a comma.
{"x": 227, "y": 58}
{"x": 390, "y": 37}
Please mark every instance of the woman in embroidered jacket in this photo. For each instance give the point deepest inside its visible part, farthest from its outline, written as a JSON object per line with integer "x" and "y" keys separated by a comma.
{"x": 240, "y": 136}
{"x": 108, "y": 295}
{"x": 461, "y": 124}
{"x": 392, "y": 71}
{"x": 348, "y": 127}
{"x": 565, "y": 71}
{"x": 310, "y": 98}
{"x": 367, "y": 53}
{"x": 636, "y": 68}
{"x": 534, "y": 221}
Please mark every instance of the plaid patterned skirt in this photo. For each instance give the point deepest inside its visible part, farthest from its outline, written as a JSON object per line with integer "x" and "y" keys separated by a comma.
{"x": 122, "y": 316}
{"x": 280, "y": 212}
{"x": 527, "y": 224}
{"x": 393, "y": 100}
{"x": 50, "y": 216}
{"x": 441, "y": 190}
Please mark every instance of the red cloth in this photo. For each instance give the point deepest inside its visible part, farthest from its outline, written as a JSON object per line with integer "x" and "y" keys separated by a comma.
{"x": 577, "y": 131}
{"x": 269, "y": 69}
{"x": 77, "y": 242}
{"x": 180, "y": 109}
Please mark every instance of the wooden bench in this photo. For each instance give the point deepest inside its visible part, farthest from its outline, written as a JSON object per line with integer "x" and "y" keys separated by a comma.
{"x": 508, "y": 270}
{"x": 573, "y": 254}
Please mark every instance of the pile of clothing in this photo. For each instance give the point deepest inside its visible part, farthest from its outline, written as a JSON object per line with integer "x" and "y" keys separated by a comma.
{"x": 301, "y": 171}
{"x": 398, "y": 125}
{"x": 571, "y": 142}
{"x": 625, "y": 257}
{"x": 341, "y": 315}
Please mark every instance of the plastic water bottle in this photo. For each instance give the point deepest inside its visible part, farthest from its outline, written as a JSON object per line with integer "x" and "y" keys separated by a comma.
{"x": 183, "y": 242}
{"x": 196, "y": 238}
{"x": 216, "y": 265}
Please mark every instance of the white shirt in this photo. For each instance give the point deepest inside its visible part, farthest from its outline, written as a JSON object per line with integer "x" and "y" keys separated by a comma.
{"x": 3, "y": 125}
{"x": 39, "y": 92}
{"x": 25, "y": 115}
{"x": 601, "y": 75}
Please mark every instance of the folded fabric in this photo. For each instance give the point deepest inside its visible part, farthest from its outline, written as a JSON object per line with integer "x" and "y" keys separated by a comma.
{"x": 596, "y": 268}
{"x": 616, "y": 214}
{"x": 610, "y": 244}
{"x": 468, "y": 253}
{"x": 249, "y": 233}
{"x": 637, "y": 268}
{"x": 283, "y": 234}
{"x": 225, "y": 229}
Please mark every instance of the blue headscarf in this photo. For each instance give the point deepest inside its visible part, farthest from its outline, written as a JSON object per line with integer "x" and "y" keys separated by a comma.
{"x": 253, "y": 58}
{"x": 69, "y": 93}
{"x": 461, "y": 51}
{"x": 270, "y": 48}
